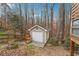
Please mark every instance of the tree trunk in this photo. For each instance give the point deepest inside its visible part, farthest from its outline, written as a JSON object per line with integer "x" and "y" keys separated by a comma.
{"x": 62, "y": 22}
{"x": 52, "y": 6}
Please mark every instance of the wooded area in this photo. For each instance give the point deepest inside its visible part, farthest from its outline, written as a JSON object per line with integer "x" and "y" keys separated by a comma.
{"x": 17, "y": 18}
{"x": 21, "y": 17}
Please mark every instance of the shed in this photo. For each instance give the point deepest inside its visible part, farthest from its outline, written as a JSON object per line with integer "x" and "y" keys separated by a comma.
{"x": 39, "y": 35}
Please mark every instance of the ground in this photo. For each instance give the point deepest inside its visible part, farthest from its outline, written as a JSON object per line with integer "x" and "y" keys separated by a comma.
{"x": 24, "y": 50}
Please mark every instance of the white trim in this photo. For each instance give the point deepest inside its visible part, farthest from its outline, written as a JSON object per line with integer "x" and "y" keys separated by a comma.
{"x": 75, "y": 35}
{"x": 75, "y": 27}
{"x": 37, "y": 26}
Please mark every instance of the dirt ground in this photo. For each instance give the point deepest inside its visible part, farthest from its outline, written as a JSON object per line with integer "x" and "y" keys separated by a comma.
{"x": 51, "y": 51}
{"x": 48, "y": 50}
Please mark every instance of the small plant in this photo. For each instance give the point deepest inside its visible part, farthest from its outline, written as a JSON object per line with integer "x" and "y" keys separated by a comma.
{"x": 16, "y": 46}
{"x": 30, "y": 49}
{"x": 67, "y": 44}
{"x": 30, "y": 46}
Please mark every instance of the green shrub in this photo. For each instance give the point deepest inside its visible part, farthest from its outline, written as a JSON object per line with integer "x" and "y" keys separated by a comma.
{"x": 30, "y": 49}
{"x": 2, "y": 32}
{"x": 30, "y": 46}
{"x": 67, "y": 44}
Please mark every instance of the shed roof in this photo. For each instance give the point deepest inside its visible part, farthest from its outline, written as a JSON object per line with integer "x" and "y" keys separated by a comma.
{"x": 37, "y": 26}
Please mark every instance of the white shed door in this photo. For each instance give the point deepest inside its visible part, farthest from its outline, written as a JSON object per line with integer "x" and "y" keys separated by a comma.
{"x": 37, "y": 36}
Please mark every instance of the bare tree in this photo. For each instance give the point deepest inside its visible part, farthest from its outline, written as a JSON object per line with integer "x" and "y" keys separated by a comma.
{"x": 5, "y": 11}
{"x": 62, "y": 21}
{"x": 67, "y": 19}
{"x": 41, "y": 18}
{"x": 51, "y": 9}
{"x": 33, "y": 16}
{"x": 46, "y": 15}
{"x": 20, "y": 19}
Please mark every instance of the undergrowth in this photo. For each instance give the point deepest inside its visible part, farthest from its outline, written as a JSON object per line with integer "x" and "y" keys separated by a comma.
{"x": 67, "y": 44}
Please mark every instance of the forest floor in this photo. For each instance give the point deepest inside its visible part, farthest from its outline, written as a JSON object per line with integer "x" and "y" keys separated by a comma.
{"x": 48, "y": 50}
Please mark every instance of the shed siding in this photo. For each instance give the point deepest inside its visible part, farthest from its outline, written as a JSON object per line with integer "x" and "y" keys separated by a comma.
{"x": 37, "y": 36}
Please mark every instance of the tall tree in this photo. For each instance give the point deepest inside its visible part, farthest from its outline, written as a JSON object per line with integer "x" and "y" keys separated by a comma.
{"x": 21, "y": 19}
{"x": 62, "y": 21}
{"x": 5, "y": 10}
{"x": 51, "y": 9}
{"x": 46, "y": 15}
{"x": 41, "y": 19}
{"x": 33, "y": 21}
{"x": 67, "y": 19}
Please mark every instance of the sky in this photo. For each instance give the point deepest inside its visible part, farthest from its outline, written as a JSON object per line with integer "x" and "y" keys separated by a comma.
{"x": 56, "y": 9}
{"x": 38, "y": 7}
